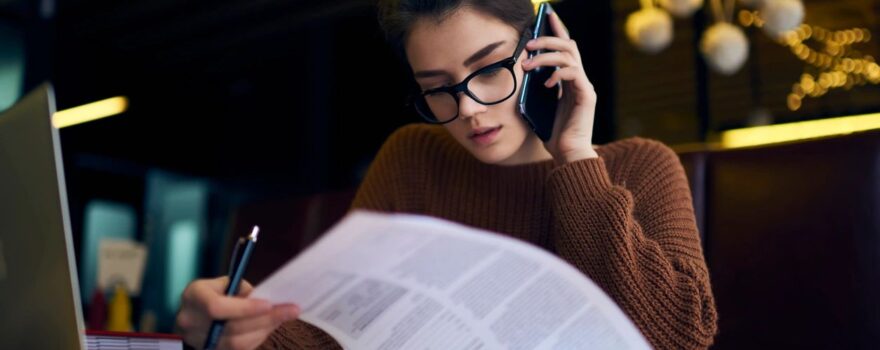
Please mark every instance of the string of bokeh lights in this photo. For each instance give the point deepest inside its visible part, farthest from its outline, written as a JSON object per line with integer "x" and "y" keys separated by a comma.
{"x": 831, "y": 61}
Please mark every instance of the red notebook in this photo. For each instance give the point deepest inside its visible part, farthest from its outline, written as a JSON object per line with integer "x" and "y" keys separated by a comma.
{"x": 107, "y": 340}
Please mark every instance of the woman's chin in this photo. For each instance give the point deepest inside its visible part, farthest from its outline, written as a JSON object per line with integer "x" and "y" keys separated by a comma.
{"x": 490, "y": 156}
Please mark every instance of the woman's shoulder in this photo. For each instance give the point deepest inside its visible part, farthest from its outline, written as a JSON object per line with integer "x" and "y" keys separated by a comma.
{"x": 636, "y": 148}
{"x": 636, "y": 159}
{"x": 415, "y": 139}
{"x": 417, "y": 133}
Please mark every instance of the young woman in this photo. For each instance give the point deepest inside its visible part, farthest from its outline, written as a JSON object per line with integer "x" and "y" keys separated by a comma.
{"x": 621, "y": 213}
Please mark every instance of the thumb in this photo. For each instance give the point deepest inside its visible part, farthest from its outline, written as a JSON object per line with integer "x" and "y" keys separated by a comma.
{"x": 245, "y": 288}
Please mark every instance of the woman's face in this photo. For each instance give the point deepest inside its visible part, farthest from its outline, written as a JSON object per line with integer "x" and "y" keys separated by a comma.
{"x": 445, "y": 53}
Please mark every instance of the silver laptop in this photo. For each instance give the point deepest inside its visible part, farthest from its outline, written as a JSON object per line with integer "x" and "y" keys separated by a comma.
{"x": 39, "y": 292}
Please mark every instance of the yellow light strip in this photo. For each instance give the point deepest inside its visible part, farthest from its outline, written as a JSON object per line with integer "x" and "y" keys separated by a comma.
{"x": 90, "y": 112}
{"x": 763, "y": 135}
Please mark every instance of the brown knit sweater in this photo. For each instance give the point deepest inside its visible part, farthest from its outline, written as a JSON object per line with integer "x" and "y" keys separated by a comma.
{"x": 624, "y": 219}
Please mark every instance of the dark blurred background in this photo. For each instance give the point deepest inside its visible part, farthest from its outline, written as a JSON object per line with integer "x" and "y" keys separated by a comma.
{"x": 243, "y": 101}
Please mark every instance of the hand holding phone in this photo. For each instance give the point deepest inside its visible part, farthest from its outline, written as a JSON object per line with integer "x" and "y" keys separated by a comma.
{"x": 558, "y": 101}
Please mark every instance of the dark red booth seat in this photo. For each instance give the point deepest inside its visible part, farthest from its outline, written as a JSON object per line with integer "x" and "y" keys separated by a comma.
{"x": 793, "y": 244}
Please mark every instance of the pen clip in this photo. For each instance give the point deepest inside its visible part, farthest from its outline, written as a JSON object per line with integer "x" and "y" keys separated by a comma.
{"x": 237, "y": 249}
{"x": 234, "y": 258}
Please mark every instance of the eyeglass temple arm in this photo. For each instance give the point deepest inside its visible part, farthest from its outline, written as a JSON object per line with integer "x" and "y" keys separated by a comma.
{"x": 527, "y": 35}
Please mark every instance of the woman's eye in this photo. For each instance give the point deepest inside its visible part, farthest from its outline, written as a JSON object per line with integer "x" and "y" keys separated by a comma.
{"x": 492, "y": 72}
{"x": 433, "y": 86}
{"x": 430, "y": 90}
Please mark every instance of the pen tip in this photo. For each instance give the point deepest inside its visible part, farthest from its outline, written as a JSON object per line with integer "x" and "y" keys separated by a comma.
{"x": 254, "y": 233}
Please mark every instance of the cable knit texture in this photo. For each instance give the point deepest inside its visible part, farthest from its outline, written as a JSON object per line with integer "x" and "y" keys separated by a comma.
{"x": 624, "y": 219}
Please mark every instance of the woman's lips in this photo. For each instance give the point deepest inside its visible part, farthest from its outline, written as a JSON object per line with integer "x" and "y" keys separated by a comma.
{"x": 485, "y": 137}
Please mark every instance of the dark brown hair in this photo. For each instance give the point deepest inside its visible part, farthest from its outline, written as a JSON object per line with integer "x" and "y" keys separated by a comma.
{"x": 398, "y": 16}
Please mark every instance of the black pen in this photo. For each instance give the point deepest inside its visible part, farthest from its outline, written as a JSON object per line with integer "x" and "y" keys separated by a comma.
{"x": 236, "y": 271}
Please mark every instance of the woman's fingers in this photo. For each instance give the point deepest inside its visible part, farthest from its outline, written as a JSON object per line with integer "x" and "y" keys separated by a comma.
{"x": 213, "y": 286}
{"x": 558, "y": 76}
{"x": 244, "y": 289}
{"x": 191, "y": 326}
{"x": 572, "y": 74}
{"x": 269, "y": 321}
{"x": 219, "y": 285}
{"x": 550, "y": 59}
{"x": 552, "y": 43}
{"x": 204, "y": 301}
{"x": 224, "y": 308}
{"x": 210, "y": 298}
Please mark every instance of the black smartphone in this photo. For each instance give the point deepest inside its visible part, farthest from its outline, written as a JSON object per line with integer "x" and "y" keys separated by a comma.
{"x": 537, "y": 103}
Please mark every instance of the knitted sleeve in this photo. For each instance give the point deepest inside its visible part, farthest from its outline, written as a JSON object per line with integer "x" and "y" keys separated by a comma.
{"x": 637, "y": 240}
{"x": 379, "y": 191}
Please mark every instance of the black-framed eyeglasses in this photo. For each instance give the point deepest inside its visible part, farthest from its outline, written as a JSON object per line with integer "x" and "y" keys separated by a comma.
{"x": 489, "y": 85}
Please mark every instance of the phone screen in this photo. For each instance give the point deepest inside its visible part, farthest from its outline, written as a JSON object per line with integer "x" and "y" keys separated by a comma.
{"x": 537, "y": 103}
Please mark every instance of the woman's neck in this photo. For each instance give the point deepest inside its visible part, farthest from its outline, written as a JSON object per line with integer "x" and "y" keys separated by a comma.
{"x": 531, "y": 151}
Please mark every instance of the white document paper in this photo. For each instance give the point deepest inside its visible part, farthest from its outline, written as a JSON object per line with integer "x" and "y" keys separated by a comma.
{"x": 380, "y": 281}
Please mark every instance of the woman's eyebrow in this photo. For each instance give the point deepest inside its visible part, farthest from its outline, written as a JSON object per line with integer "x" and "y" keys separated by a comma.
{"x": 482, "y": 53}
{"x": 429, "y": 73}
{"x": 471, "y": 60}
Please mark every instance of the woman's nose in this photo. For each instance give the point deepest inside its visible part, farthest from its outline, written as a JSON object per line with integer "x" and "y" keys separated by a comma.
{"x": 468, "y": 107}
